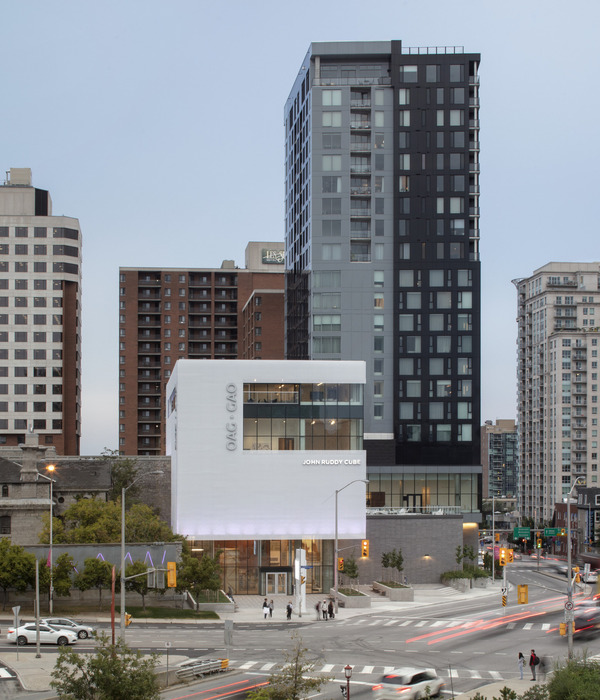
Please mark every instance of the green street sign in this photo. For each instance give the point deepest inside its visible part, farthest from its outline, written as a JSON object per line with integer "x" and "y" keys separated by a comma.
{"x": 520, "y": 532}
{"x": 551, "y": 531}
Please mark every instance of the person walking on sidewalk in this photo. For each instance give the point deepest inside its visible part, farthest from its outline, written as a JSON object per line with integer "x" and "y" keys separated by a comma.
{"x": 271, "y": 606}
{"x": 324, "y": 609}
{"x": 288, "y": 610}
{"x": 533, "y": 662}
{"x": 265, "y": 608}
{"x": 318, "y": 609}
{"x": 330, "y": 609}
{"x": 521, "y": 663}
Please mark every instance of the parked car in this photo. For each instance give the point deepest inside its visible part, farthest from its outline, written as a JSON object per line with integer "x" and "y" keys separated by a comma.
{"x": 409, "y": 683}
{"x": 590, "y": 577}
{"x": 63, "y": 623}
{"x": 26, "y": 634}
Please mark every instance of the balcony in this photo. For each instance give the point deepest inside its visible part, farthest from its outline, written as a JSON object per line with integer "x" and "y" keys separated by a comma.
{"x": 473, "y": 101}
{"x": 473, "y": 189}
{"x": 474, "y": 145}
{"x": 361, "y": 213}
{"x": 473, "y": 211}
{"x": 557, "y": 282}
{"x": 473, "y": 123}
{"x": 360, "y": 104}
{"x": 360, "y": 146}
{"x": 474, "y": 167}
{"x": 362, "y": 190}
{"x": 324, "y": 82}
{"x": 362, "y": 124}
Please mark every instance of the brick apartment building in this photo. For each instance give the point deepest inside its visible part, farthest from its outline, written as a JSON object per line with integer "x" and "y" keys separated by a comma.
{"x": 191, "y": 313}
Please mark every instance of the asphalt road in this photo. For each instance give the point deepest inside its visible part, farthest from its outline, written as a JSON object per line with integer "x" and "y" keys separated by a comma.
{"x": 469, "y": 643}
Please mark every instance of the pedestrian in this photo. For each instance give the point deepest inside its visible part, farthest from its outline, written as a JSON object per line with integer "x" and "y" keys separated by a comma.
{"x": 324, "y": 609}
{"x": 521, "y": 663}
{"x": 318, "y": 609}
{"x": 533, "y": 662}
{"x": 289, "y": 610}
{"x": 271, "y": 606}
{"x": 265, "y": 608}
{"x": 330, "y": 609}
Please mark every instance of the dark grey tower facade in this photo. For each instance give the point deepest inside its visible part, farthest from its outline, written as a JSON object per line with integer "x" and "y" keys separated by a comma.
{"x": 382, "y": 253}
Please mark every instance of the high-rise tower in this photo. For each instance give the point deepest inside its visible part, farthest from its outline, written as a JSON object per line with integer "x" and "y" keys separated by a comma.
{"x": 382, "y": 252}
{"x": 40, "y": 322}
{"x": 558, "y": 347}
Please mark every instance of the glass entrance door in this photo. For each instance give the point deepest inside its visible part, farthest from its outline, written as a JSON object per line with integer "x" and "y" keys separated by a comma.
{"x": 276, "y": 583}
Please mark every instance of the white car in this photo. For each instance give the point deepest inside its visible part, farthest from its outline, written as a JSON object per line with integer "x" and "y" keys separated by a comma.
{"x": 409, "y": 683}
{"x": 64, "y": 623}
{"x": 26, "y": 634}
{"x": 591, "y": 577}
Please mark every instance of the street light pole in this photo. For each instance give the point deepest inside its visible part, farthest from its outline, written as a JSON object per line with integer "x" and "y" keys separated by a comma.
{"x": 569, "y": 606}
{"x": 336, "y": 550}
{"x": 348, "y": 674}
{"x": 123, "y": 492}
{"x": 50, "y": 468}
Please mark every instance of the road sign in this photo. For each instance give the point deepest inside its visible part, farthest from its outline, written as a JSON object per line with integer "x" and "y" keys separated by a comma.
{"x": 519, "y": 532}
{"x": 569, "y": 605}
{"x": 551, "y": 531}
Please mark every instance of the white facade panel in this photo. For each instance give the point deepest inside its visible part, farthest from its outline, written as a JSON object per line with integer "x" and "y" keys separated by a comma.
{"x": 221, "y": 491}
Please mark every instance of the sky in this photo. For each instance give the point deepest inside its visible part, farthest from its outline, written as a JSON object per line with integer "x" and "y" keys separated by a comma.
{"x": 159, "y": 125}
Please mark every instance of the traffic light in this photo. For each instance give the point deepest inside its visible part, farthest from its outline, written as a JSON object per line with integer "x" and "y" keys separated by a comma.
{"x": 539, "y": 543}
{"x": 171, "y": 574}
{"x": 497, "y": 537}
{"x": 365, "y": 548}
{"x": 577, "y": 574}
{"x": 503, "y": 556}
{"x": 127, "y": 619}
{"x": 302, "y": 580}
{"x": 510, "y": 558}
{"x": 340, "y": 563}
{"x": 563, "y": 531}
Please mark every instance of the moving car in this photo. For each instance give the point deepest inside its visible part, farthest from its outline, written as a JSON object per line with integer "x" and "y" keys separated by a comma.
{"x": 64, "y": 623}
{"x": 409, "y": 683}
{"x": 48, "y": 635}
{"x": 587, "y": 619}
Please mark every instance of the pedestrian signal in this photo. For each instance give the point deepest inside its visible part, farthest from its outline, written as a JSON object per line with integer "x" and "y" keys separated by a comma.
{"x": 497, "y": 537}
{"x": 171, "y": 574}
{"x": 340, "y": 563}
{"x": 577, "y": 574}
{"x": 127, "y": 619}
{"x": 365, "y": 548}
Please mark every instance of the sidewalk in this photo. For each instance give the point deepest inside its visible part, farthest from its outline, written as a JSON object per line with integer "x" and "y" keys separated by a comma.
{"x": 34, "y": 673}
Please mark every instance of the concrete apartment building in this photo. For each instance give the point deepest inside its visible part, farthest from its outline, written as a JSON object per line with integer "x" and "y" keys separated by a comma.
{"x": 558, "y": 342}
{"x": 40, "y": 318}
{"x": 191, "y": 313}
{"x": 382, "y": 254}
{"x": 500, "y": 458}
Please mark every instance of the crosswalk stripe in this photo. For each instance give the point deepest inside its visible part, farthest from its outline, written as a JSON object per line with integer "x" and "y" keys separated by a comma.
{"x": 406, "y": 622}
{"x": 391, "y": 622}
{"x": 475, "y": 674}
{"x": 388, "y": 669}
{"x": 5, "y": 673}
{"x": 453, "y": 673}
{"x": 439, "y": 623}
{"x": 327, "y": 668}
{"x": 545, "y": 626}
{"x": 267, "y": 667}
{"x": 495, "y": 675}
{"x": 528, "y": 625}
{"x": 248, "y": 664}
{"x": 511, "y": 625}
{"x": 421, "y": 623}
{"x": 367, "y": 669}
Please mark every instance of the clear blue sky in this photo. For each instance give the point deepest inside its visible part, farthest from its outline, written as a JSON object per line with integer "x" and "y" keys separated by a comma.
{"x": 160, "y": 126}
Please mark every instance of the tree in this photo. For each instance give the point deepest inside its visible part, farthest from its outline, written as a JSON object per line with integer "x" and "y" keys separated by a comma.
{"x": 350, "y": 569}
{"x": 393, "y": 560}
{"x": 459, "y": 555}
{"x": 90, "y": 520}
{"x": 17, "y": 568}
{"x": 123, "y": 471}
{"x": 139, "y": 584}
{"x": 198, "y": 575}
{"x": 62, "y": 574}
{"x": 96, "y": 574}
{"x": 291, "y": 681}
{"x": 110, "y": 673}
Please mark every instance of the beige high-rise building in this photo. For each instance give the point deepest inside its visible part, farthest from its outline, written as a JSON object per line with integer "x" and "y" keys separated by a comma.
{"x": 40, "y": 318}
{"x": 558, "y": 343}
